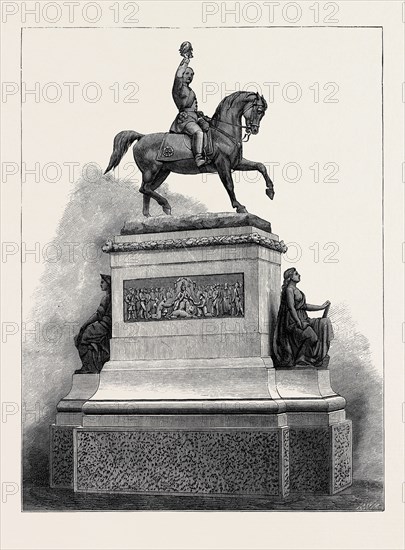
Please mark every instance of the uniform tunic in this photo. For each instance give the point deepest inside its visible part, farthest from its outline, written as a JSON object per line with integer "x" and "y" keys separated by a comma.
{"x": 186, "y": 102}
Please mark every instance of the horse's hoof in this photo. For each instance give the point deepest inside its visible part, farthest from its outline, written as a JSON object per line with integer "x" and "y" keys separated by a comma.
{"x": 241, "y": 210}
{"x": 146, "y": 215}
{"x": 270, "y": 193}
{"x": 167, "y": 210}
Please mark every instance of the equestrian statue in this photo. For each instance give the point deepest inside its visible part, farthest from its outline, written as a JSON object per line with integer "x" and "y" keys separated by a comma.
{"x": 195, "y": 142}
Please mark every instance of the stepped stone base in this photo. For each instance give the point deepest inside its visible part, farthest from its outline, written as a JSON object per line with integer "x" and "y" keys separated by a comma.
{"x": 190, "y": 402}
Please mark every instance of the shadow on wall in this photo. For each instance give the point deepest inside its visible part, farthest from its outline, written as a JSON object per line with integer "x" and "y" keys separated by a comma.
{"x": 68, "y": 294}
{"x": 354, "y": 376}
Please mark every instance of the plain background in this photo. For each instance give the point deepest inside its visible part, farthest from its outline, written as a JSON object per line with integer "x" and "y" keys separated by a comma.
{"x": 347, "y": 213}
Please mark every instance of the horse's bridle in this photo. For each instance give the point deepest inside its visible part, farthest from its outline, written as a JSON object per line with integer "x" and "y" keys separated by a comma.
{"x": 245, "y": 137}
{"x": 254, "y": 106}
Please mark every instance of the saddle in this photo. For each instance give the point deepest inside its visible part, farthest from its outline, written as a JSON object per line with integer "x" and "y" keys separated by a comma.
{"x": 178, "y": 147}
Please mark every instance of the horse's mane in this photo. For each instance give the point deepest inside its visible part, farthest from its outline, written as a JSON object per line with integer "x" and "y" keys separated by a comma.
{"x": 228, "y": 102}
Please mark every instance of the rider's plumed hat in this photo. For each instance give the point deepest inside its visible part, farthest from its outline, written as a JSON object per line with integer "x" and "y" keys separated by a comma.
{"x": 186, "y": 49}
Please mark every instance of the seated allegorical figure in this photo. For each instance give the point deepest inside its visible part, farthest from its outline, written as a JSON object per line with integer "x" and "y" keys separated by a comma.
{"x": 93, "y": 340}
{"x": 298, "y": 339}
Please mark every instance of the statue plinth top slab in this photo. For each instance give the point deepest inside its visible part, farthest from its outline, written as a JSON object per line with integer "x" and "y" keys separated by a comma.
{"x": 206, "y": 220}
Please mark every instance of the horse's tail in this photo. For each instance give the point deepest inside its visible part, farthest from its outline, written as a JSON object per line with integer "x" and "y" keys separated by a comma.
{"x": 122, "y": 141}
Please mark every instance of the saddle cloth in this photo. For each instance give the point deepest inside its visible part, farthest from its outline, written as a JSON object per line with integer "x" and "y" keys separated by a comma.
{"x": 178, "y": 147}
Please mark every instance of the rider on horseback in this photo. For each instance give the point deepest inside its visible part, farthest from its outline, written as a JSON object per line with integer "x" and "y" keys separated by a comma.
{"x": 189, "y": 121}
{"x": 159, "y": 154}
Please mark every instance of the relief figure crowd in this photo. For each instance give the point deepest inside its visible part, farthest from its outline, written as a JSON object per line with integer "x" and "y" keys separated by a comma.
{"x": 185, "y": 299}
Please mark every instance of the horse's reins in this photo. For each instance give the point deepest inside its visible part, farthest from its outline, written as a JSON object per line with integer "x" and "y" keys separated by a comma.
{"x": 226, "y": 134}
{"x": 247, "y": 134}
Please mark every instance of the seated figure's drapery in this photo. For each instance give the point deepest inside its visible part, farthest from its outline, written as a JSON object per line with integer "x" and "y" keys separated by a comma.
{"x": 93, "y": 341}
{"x": 293, "y": 345}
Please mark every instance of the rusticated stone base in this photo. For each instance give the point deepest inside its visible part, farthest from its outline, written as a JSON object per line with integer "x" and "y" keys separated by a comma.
{"x": 342, "y": 468}
{"x": 200, "y": 462}
{"x": 321, "y": 458}
{"x": 228, "y": 461}
{"x": 61, "y": 457}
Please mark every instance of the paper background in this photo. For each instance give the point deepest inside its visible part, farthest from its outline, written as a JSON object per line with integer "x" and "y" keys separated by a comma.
{"x": 348, "y": 213}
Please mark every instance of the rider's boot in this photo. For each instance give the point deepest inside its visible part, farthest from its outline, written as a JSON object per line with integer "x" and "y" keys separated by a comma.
{"x": 197, "y": 145}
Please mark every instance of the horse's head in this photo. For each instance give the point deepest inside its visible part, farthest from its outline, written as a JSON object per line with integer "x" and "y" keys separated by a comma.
{"x": 253, "y": 112}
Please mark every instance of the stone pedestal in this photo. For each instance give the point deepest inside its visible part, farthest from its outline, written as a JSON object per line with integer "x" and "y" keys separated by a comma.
{"x": 320, "y": 437}
{"x": 69, "y": 416}
{"x": 190, "y": 402}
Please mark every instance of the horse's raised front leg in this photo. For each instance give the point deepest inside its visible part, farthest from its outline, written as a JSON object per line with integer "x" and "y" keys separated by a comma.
{"x": 224, "y": 172}
{"x": 249, "y": 165}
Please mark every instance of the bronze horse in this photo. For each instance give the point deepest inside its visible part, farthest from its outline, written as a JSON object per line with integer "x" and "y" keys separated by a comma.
{"x": 226, "y": 130}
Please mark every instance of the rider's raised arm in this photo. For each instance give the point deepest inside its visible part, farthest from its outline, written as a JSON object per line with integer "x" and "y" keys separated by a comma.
{"x": 182, "y": 67}
{"x": 178, "y": 79}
